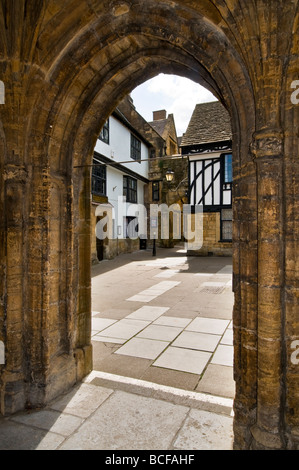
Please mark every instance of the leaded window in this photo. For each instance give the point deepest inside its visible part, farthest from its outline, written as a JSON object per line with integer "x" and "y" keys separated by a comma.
{"x": 135, "y": 148}
{"x": 228, "y": 168}
{"x": 99, "y": 179}
{"x": 104, "y": 135}
{"x": 227, "y": 224}
{"x": 156, "y": 191}
{"x": 130, "y": 189}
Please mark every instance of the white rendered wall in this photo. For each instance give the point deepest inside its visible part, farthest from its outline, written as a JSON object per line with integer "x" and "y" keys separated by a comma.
{"x": 115, "y": 196}
{"x": 119, "y": 148}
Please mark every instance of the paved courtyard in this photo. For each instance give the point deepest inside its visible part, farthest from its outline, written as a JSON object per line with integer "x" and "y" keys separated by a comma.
{"x": 163, "y": 375}
{"x": 165, "y": 319}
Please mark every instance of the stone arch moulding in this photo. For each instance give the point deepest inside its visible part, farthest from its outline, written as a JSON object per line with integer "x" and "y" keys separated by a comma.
{"x": 81, "y": 87}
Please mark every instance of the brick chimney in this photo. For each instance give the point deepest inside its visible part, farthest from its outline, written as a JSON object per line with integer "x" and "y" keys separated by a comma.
{"x": 158, "y": 115}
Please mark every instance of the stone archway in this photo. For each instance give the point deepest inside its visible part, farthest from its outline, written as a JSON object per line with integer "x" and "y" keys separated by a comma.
{"x": 75, "y": 63}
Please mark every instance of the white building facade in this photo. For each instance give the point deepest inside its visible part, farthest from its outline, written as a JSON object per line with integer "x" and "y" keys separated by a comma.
{"x": 119, "y": 180}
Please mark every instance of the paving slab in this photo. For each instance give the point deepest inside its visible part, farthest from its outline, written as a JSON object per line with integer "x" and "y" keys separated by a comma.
{"x": 208, "y": 325}
{"x": 198, "y": 341}
{"x": 98, "y": 324}
{"x": 148, "y": 313}
{"x": 217, "y": 380}
{"x": 50, "y": 420}
{"x": 186, "y": 360}
{"x": 143, "y": 348}
{"x": 82, "y": 401}
{"x": 228, "y": 337}
{"x": 224, "y": 355}
{"x": 125, "y": 329}
{"x": 205, "y": 431}
{"x": 172, "y": 321}
{"x": 120, "y": 423}
{"x": 160, "y": 332}
{"x": 16, "y": 436}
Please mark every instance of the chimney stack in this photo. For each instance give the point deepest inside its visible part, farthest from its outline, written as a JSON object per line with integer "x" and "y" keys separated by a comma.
{"x": 158, "y": 115}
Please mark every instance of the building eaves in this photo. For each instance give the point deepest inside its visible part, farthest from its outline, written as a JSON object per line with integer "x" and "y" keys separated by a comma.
{"x": 122, "y": 118}
{"x": 118, "y": 166}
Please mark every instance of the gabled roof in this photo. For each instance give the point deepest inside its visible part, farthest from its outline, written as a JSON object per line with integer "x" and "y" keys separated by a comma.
{"x": 159, "y": 126}
{"x": 210, "y": 122}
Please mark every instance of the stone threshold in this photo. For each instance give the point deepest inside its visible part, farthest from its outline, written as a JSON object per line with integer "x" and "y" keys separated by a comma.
{"x": 197, "y": 400}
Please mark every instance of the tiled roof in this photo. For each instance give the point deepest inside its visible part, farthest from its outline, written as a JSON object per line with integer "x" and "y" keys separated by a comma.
{"x": 210, "y": 122}
{"x": 159, "y": 125}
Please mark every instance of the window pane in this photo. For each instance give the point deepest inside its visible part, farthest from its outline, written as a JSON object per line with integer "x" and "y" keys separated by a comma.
{"x": 228, "y": 169}
{"x": 130, "y": 189}
{"x": 227, "y": 230}
{"x": 104, "y": 135}
{"x": 156, "y": 195}
{"x": 227, "y": 224}
{"x": 98, "y": 182}
{"x": 227, "y": 214}
{"x": 131, "y": 227}
{"x": 135, "y": 148}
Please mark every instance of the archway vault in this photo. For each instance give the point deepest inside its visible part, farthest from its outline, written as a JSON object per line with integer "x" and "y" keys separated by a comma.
{"x": 81, "y": 59}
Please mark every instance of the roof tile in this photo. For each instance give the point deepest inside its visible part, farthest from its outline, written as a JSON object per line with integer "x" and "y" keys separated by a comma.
{"x": 210, "y": 122}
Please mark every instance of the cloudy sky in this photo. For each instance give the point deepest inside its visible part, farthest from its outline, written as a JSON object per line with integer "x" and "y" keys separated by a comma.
{"x": 177, "y": 95}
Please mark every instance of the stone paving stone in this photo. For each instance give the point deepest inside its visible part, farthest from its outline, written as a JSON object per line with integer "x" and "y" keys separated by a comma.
{"x": 160, "y": 332}
{"x": 50, "y": 420}
{"x": 205, "y": 431}
{"x": 198, "y": 341}
{"x": 148, "y": 313}
{"x": 217, "y": 313}
{"x": 128, "y": 366}
{"x": 213, "y": 284}
{"x": 167, "y": 274}
{"x": 16, "y": 436}
{"x": 125, "y": 329}
{"x": 208, "y": 325}
{"x": 121, "y": 421}
{"x": 228, "y": 337}
{"x": 226, "y": 270}
{"x": 143, "y": 348}
{"x": 99, "y": 324}
{"x": 172, "y": 321}
{"x": 203, "y": 274}
{"x": 107, "y": 339}
{"x": 224, "y": 355}
{"x": 152, "y": 292}
{"x": 171, "y": 378}
{"x": 217, "y": 380}
{"x": 141, "y": 298}
{"x": 186, "y": 360}
{"x": 82, "y": 401}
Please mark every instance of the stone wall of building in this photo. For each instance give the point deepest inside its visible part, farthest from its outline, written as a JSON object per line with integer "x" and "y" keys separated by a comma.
{"x": 211, "y": 244}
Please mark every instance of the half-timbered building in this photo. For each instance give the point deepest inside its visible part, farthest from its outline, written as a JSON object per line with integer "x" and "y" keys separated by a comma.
{"x": 208, "y": 145}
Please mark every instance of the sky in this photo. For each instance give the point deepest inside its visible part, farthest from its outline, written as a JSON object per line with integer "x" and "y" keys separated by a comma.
{"x": 177, "y": 95}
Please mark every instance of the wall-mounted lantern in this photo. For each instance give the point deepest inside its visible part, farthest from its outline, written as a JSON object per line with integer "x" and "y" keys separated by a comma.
{"x": 169, "y": 176}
